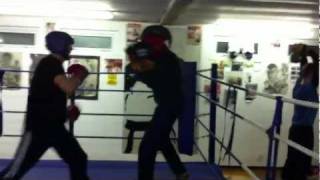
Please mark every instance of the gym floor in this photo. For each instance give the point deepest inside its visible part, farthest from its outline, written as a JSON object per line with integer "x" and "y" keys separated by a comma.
{"x": 240, "y": 174}
{"x": 53, "y": 170}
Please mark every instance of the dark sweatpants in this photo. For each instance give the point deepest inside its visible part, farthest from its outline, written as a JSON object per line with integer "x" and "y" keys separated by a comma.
{"x": 298, "y": 164}
{"x": 157, "y": 138}
{"x": 33, "y": 146}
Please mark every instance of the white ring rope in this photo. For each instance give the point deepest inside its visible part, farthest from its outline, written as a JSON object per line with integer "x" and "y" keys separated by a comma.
{"x": 300, "y": 102}
{"x": 290, "y": 143}
{"x": 289, "y": 100}
{"x": 270, "y": 96}
{"x": 203, "y": 156}
{"x": 242, "y": 164}
{"x": 90, "y": 73}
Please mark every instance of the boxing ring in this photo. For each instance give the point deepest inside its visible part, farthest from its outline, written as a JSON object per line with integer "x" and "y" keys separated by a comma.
{"x": 188, "y": 141}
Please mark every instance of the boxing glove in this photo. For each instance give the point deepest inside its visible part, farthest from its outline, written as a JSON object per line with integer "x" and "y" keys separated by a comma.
{"x": 73, "y": 112}
{"x": 78, "y": 71}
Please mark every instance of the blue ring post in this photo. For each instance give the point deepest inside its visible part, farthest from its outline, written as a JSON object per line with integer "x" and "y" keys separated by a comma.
{"x": 213, "y": 112}
{"x": 1, "y": 114}
{"x": 186, "y": 120}
{"x": 274, "y": 143}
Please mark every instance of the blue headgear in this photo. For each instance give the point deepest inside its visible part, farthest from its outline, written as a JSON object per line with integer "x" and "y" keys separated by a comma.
{"x": 58, "y": 42}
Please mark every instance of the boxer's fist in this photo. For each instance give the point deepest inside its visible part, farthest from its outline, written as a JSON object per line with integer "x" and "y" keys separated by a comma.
{"x": 78, "y": 71}
{"x": 73, "y": 112}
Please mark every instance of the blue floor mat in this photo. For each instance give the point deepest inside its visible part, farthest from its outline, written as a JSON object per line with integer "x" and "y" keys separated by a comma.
{"x": 98, "y": 170}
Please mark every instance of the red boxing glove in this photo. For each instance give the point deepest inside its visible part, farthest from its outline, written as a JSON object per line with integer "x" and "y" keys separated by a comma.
{"x": 73, "y": 112}
{"x": 78, "y": 71}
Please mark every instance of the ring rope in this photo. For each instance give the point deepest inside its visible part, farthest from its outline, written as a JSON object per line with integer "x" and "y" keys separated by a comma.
{"x": 203, "y": 70}
{"x": 203, "y": 114}
{"x": 300, "y": 102}
{"x": 81, "y": 89}
{"x": 89, "y": 114}
{"x": 270, "y": 96}
{"x": 86, "y": 137}
{"x": 277, "y": 136}
{"x": 27, "y": 71}
{"x": 206, "y": 160}
{"x": 243, "y": 165}
{"x": 285, "y": 99}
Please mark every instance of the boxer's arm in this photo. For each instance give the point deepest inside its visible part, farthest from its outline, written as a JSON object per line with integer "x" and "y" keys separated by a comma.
{"x": 68, "y": 85}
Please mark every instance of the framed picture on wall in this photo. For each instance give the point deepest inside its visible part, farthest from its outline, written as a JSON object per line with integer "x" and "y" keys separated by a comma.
{"x": 133, "y": 32}
{"x": 276, "y": 81}
{"x": 90, "y": 86}
{"x": 35, "y": 59}
{"x": 11, "y": 60}
{"x": 222, "y": 47}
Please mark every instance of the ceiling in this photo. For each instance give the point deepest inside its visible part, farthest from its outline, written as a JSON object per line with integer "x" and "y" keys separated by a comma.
{"x": 177, "y": 11}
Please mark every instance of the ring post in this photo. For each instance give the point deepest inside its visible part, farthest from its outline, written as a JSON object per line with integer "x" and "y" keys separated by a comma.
{"x": 1, "y": 115}
{"x": 213, "y": 112}
{"x": 186, "y": 120}
{"x": 274, "y": 143}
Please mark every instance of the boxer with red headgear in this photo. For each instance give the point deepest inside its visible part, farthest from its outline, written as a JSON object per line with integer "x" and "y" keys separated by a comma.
{"x": 158, "y": 37}
{"x": 162, "y": 74}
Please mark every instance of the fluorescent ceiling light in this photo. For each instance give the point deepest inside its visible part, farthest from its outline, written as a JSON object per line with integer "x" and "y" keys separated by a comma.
{"x": 63, "y": 12}
{"x": 263, "y": 9}
{"x": 262, "y": 28}
{"x": 45, "y": 8}
{"x": 284, "y": 1}
{"x": 88, "y": 5}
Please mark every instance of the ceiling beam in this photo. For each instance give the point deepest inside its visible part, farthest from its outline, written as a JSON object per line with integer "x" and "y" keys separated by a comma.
{"x": 253, "y": 4}
{"x": 304, "y": 2}
{"x": 191, "y": 18}
{"x": 175, "y": 7}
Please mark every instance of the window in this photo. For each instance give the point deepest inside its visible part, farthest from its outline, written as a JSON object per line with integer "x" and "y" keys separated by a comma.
{"x": 99, "y": 42}
{"x": 17, "y": 38}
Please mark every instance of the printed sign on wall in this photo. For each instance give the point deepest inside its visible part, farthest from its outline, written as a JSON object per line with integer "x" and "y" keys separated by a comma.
{"x": 113, "y": 66}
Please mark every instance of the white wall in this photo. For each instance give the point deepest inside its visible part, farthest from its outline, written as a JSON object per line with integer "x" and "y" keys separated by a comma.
{"x": 108, "y": 102}
{"x": 250, "y": 145}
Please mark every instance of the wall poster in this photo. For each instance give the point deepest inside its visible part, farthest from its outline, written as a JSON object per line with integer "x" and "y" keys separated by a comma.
{"x": 113, "y": 66}
{"x": 194, "y": 35}
{"x": 11, "y": 60}
{"x": 133, "y": 32}
{"x": 277, "y": 79}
